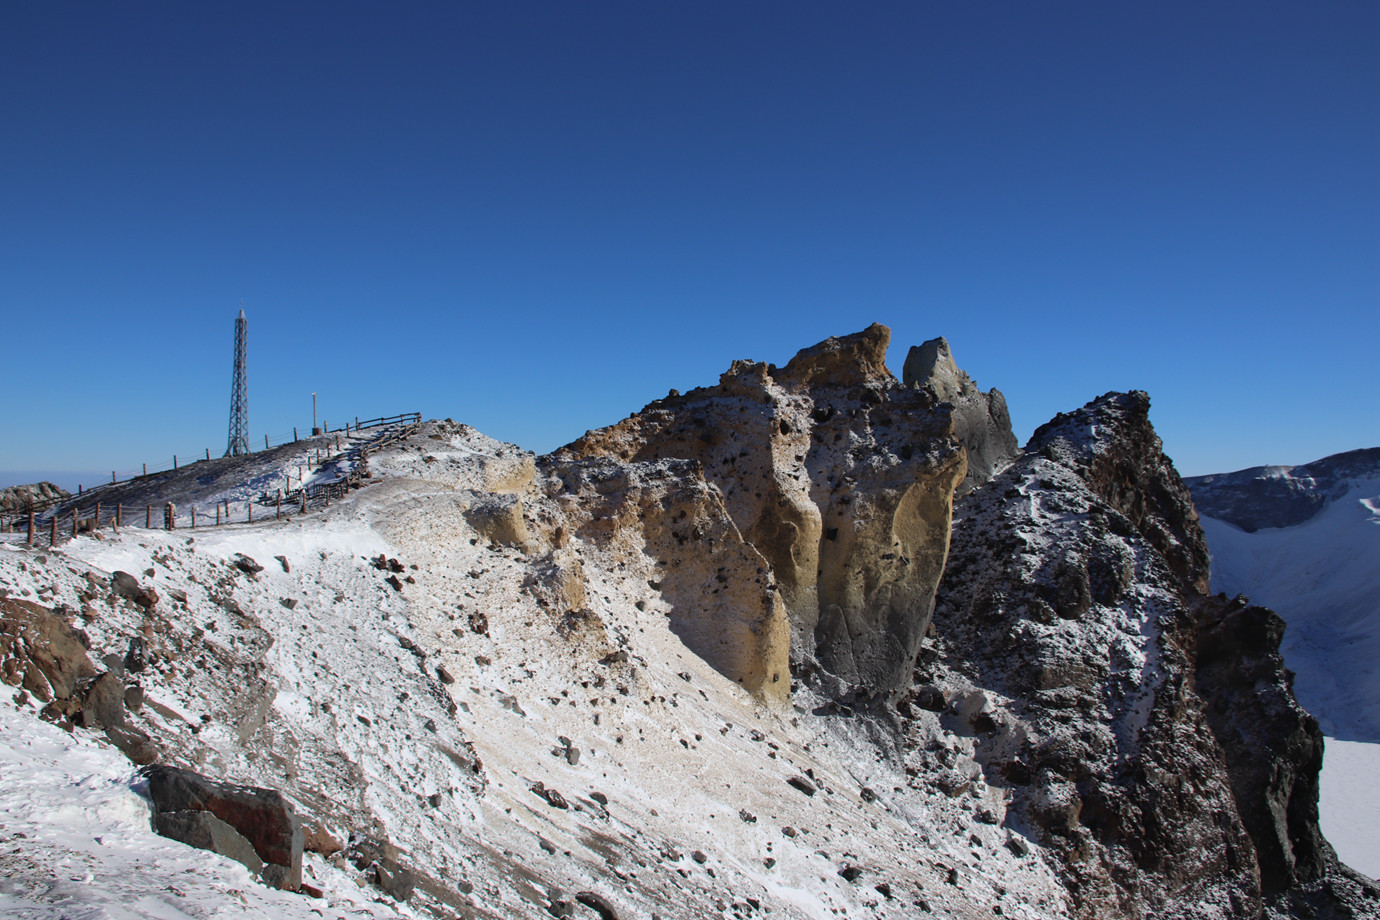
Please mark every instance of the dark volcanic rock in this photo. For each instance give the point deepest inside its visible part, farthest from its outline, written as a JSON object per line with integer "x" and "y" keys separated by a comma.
{"x": 1147, "y": 731}
{"x": 1242, "y": 678}
{"x": 261, "y": 816}
{"x": 1280, "y": 496}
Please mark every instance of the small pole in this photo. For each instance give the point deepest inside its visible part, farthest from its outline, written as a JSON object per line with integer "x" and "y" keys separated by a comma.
{"x": 30, "y": 541}
{"x": 193, "y": 517}
{"x": 98, "y": 517}
{"x": 174, "y": 461}
{"x": 170, "y": 516}
{"x": 208, "y": 453}
{"x": 113, "y": 480}
{"x": 74, "y": 522}
{"x": 278, "y": 512}
{"x": 217, "y": 514}
{"x": 356, "y": 423}
{"x": 265, "y": 442}
{"x": 119, "y": 515}
{"x": 78, "y": 488}
{"x": 146, "y": 469}
{"x": 52, "y": 536}
{"x": 251, "y": 512}
{"x": 294, "y": 434}
{"x": 148, "y": 517}
{"x": 304, "y": 499}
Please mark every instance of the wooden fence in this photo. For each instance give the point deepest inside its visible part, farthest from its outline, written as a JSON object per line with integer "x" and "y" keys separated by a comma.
{"x": 49, "y": 521}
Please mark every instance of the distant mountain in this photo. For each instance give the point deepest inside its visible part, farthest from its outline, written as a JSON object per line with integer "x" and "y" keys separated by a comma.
{"x": 1281, "y": 496}
{"x": 1305, "y": 540}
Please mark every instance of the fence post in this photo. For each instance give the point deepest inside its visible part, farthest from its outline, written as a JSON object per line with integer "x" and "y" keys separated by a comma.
{"x": 208, "y": 453}
{"x": 113, "y": 480}
{"x": 174, "y": 461}
{"x": 52, "y": 536}
{"x": 119, "y": 514}
{"x": 31, "y": 527}
{"x": 278, "y": 512}
{"x": 148, "y": 517}
{"x": 169, "y": 516}
{"x": 250, "y": 505}
{"x": 75, "y": 516}
{"x": 294, "y": 434}
{"x": 146, "y": 469}
{"x": 193, "y": 517}
{"x": 304, "y": 499}
{"x": 217, "y": 514}
{"x": 98, "y": 517}
{"x": 265, "y": 442}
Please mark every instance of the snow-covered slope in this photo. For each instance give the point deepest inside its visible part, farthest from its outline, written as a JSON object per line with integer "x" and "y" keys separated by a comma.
{"x": 517, "y": 750}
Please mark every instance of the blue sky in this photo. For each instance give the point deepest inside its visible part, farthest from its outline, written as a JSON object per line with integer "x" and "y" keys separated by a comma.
{"x": 537, "y": 217}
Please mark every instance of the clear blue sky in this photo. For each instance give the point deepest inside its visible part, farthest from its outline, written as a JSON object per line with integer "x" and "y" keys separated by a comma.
{"x": 537, "y": 217}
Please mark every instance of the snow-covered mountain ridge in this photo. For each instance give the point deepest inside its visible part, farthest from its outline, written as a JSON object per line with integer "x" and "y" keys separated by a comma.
{"x": 588, "y": 684}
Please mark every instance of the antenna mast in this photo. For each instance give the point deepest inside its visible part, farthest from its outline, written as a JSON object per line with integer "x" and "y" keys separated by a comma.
{"x": 239, "y": 392}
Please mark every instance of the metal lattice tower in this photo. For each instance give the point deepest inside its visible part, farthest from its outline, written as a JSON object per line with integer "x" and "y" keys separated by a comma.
{"x": 239, "y": 393}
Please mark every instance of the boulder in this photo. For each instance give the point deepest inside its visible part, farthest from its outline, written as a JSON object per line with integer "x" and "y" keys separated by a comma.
{"x": 260, "y": 816}
{"x": 499, "y": 518}
{"x": 123, "y": 584}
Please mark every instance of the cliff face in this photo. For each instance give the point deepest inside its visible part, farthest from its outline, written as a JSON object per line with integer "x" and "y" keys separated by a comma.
{"x": 840, "y": 476}
{"x": 1145, "y": 731}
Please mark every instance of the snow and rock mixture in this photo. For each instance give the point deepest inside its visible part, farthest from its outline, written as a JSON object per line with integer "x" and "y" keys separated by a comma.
{"x": 1304, "y": 540}
{"x": 510, "y": 706}
{"x": 679, "y": 669}
{"x": 1144, "y": 731}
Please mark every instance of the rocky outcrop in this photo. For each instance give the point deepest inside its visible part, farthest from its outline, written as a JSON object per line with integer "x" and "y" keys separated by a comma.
{"x": 982, "y": 423}
{"x": 16, "y": 499}
{"x": 1273, "y": 748}
{"x": 1146, "y": 732}
{"x": 722, "y": 600}
{"x": 257, "y": 827}
{"x": 839, "y": 476}
{"x": 1281, "y": 496}
{"x": 43, "y": 655}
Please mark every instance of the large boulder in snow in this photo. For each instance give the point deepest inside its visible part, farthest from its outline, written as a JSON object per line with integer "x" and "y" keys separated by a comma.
{"x": 262, "y": 817}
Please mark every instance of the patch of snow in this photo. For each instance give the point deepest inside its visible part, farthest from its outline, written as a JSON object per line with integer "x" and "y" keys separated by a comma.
{"x": 1348, "y": 805}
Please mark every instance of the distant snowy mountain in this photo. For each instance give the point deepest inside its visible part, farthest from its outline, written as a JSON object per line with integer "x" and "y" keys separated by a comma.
{"x": 1305, "y": 541}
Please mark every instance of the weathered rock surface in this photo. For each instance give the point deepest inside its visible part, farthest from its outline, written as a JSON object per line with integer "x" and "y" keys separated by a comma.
{"x": 1146, "y": 731}
{"x": 839, "y": 476}
{"x": 261, "y": 817}
{"x": 982, "y": 423}
{"x": 15, "y": 499}
{"x": 724, "y": 603}
{"x": 1280, "y": 496}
